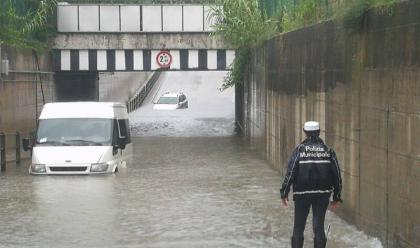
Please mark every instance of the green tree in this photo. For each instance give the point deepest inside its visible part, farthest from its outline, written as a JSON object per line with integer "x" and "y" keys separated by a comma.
{"x": 26, "y": 23}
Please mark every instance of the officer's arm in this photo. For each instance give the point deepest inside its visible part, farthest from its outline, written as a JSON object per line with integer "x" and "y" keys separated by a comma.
{"x": 291, "y": 169}
{"x": 337, "y": 177}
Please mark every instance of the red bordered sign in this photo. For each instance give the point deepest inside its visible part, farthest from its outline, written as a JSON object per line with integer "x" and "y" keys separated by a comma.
{"x": 164, "y": 59}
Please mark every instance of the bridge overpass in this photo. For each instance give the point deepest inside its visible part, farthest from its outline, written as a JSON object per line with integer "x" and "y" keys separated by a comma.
{"x": 121, "y": 37}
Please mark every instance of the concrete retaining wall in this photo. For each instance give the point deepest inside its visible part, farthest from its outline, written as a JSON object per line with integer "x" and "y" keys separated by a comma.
{"x": 120, "y": 86}
{"x": 21, "y": 93}
{"x": 364, "y": 89}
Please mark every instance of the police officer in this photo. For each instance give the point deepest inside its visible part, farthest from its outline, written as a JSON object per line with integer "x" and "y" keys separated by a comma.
{"x": 314, "y": 173}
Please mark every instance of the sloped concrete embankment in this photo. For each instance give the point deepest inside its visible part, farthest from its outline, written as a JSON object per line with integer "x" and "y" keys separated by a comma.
{"x": 363, "y": 85}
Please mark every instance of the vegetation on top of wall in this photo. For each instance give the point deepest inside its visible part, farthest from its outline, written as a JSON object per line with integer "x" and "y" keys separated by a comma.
{"x": 243, "y": 26}
{"x": 26, "y": 23}
{"x": 353, "y": 14}
{"x": 293, "y": 16}
{"x": 246, "y": 24}
{"x": 242, "y": 23}
{"x": 307, "y": 12}
{"x": 142, "y": 1}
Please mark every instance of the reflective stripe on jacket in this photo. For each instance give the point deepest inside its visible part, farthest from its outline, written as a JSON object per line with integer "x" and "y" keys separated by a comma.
{"x": 313, "y": 169}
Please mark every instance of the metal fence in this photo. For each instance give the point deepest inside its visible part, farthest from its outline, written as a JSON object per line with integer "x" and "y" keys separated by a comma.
{"x": 141, "y": 94}
{"x": 272, "y": 7}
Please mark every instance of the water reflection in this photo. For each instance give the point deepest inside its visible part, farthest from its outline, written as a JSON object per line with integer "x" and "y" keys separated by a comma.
{"x": 180, "y": 192}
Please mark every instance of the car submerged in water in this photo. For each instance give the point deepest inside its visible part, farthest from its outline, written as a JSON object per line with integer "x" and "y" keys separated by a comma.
{"x": 171, "y": 101}
{"x": 81, "y": 138}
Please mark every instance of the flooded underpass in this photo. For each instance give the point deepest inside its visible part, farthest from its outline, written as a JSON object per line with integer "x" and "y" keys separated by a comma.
{"x": 194, "y": 183}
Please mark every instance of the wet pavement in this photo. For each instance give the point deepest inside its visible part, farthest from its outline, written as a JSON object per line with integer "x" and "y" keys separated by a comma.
{"x": 180, "y": 192}
{"x": 210, "y": 112}
{"x": 193, "y": 183}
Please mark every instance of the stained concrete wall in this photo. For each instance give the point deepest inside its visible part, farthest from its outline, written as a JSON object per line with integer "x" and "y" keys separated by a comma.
{"x": 21, "y": 94}
{"x": 138, "y": 41}
{"x": 364, "y": 89}
{"x": 120, "y": 86}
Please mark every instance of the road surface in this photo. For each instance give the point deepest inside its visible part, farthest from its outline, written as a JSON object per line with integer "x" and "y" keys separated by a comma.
{"x": 193, "y": 183}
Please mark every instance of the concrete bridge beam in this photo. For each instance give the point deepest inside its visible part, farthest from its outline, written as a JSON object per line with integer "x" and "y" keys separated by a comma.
{"x": 138, "y": 41}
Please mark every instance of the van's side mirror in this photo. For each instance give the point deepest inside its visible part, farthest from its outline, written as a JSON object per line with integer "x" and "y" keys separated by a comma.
{"x": 121, "y": 142}
{"x": 27, "y": 144}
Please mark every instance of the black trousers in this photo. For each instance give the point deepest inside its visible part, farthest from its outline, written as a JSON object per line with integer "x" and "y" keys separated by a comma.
{"x": 319, "y": 204}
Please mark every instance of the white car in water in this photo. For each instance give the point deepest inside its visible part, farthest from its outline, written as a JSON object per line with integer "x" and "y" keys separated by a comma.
{"x": 171, "y": 101}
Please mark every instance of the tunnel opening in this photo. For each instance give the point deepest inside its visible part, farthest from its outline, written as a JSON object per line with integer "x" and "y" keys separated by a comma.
{"x": 210, "y": 111}
{"x": 207, "y": 111}
{"x": 76, "y": 86}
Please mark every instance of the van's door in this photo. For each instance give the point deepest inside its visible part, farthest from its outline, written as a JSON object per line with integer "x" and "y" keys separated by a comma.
{"x": 124, "y": 155}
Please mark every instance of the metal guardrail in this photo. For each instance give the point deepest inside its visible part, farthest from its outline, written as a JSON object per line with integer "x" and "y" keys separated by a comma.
{"x": 141, "y": 94}
{"x": 4, "y": 147}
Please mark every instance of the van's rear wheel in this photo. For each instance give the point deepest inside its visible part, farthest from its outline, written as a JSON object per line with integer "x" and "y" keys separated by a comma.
{"x": 116, "y": 169}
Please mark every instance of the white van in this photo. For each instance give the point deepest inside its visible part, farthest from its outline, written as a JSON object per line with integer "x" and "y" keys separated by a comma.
{"x": 81, "y": 138}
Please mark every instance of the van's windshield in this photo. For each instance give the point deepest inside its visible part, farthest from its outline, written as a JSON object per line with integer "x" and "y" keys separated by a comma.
{"x": 75, "y": 132}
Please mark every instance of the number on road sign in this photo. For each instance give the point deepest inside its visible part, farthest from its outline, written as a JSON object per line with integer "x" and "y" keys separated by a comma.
{"x": 164, "y": 59}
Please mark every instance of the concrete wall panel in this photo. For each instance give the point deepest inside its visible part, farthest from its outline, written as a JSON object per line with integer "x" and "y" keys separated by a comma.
{"x": 230, "y": 57}
{"x": 119, "y": 60}
{"x": 364, "y": 89}
{"x": 415, "y": 143}
{"x": 134, "y": 18}
{"x": 193, "y": 59}
{"x": 120, "y": 86}
{"x": 373, "y": 209}
{"x": 414, "y": 182}
{"x": 154, "y": 65}
{"x": 413, "y": 228}
{"x": 67, "y": 18}
{"x": 130, "y": 18}
{"x": 176, "y": 60}
{"x": 172, "y": 18}
{"x": 101, "y": 60}
{"x": 209, "y": 20}
{"x": 138, "y": 60}
{"x": 373, "y": 127}
{"x": 152, "y": 18}
{"x": 212, "y": 59}
{"x": 193, "y": 18}
{"x": 89, "y": 18}
{"x": 65, "y": 60}
{"x": 109, "y": 18}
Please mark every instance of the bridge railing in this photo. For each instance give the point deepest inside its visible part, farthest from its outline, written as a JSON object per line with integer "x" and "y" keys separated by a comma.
{"x": 135, "y": 102}
{"x": 129, "y": 18}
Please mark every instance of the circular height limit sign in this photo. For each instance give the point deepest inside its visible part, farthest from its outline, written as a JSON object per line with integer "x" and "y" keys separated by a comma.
{"x": 164, "y": 59}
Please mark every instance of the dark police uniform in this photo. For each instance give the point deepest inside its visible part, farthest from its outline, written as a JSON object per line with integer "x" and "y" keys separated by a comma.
{"x": 314, "y": 173}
